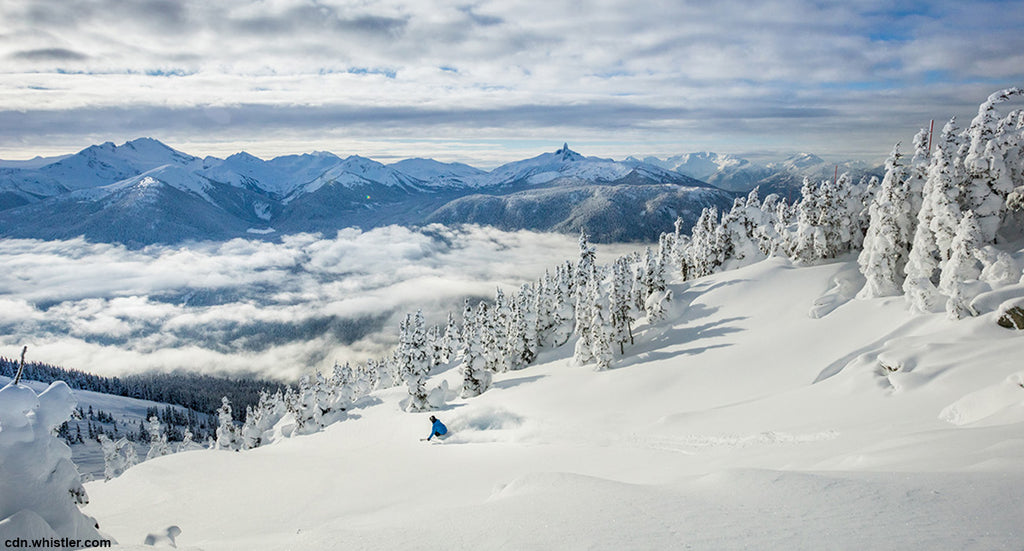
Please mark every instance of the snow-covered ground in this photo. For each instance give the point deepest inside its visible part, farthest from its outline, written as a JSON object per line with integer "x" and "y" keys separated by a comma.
{"x": 741, "y": 422}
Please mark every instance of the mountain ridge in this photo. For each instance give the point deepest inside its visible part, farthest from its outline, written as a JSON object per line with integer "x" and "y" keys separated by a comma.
{"x": 123, "y": 193}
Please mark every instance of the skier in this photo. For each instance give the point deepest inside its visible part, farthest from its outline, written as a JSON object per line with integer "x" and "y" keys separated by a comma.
{"x": 438, "y": 429}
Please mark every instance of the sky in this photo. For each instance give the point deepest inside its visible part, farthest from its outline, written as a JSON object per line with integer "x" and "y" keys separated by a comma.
{"x": 490, "y": 81}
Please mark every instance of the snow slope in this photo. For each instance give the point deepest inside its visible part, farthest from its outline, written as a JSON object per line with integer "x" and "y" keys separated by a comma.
{"x": 741, "y": 422}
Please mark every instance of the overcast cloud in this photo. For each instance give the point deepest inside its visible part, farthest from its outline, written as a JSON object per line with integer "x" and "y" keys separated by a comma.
{"x": 280, "y": 309}
{"x": 487, "y": 81}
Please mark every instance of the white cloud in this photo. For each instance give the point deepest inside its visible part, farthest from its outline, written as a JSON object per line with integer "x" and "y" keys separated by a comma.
{"x": 279, "y": 309}
{"x": 275, "y": 75}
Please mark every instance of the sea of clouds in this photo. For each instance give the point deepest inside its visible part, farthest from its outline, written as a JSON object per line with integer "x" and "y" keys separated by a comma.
{"x": 277, "y": 309}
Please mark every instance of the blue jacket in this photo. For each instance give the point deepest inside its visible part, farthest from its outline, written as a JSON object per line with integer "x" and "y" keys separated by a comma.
{"x": 438, "y": 429}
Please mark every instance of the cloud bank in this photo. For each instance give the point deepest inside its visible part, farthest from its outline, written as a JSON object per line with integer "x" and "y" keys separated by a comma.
{"x": 279, "y": 309}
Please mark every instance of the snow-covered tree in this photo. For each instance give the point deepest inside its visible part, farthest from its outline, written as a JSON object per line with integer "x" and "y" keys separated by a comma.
{"x": 945, "y": 189}
{"x": 706, "y": 251}
{"x": 963, "y": 265}
{"x": 158, "y": 446}
{"x": 450, "y": 341}
{"x": 887, "y": 243}
{"x": 476, "y": 378}
{"x": 414, "y": 357}
{"x": 500, "y": 317}
{"x": 621, "y": 304}
{"x": 922, "y": 267}
{"x": 601, "y": 329}
{"x": 227, "y": 433}
{"x": 563, "y": 307}
{"x": 113, "y": 461}
{"x": 805, "y": 245}
{"x": 583, "y": 352}
{"x": 989, "y": 180}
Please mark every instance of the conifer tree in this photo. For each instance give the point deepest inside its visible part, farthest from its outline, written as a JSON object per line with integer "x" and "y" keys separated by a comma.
{"x": 806, "y": 242}
{"x": 583, "y": 352}
{"x": 706, "y": 252}
{"x": 415, "y": 358}
{"x": 887, "y": 242}
{"x": 158, "y": 446}
{"x": 963, "y": 265}
{"x": 945, "y": 190}
{"x": 988, "y": 179}
{"x": 476, "y": 378}
{"x": 499, "y": 326}
{"x": 621, "y": 304}
{"x": 563, "y": 307}
{"x": 113, "y": 461}
{"x": 227, "y": 437}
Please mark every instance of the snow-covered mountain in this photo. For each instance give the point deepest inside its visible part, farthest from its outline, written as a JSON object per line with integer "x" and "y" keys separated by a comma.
{"x": 740, "y": 421}
{"x": 144, "y": 192}
{"x": 727, "y": 172}
{"x": 740, "y": 175}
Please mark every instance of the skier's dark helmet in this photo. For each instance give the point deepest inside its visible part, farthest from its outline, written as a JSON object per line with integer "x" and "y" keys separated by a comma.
{"x": 432, "y": 418}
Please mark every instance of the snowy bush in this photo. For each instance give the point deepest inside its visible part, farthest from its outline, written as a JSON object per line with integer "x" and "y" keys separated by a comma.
{"x": 40, "y": 488}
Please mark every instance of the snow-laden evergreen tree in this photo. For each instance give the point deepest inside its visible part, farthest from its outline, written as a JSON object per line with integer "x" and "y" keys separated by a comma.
{"x": 583, "y": 352}
{"x": 113, "y": 461}
{"x": 849, "y": 232}
{"x": 963, "y": 265}
{"x": 131, "y": 457}
{"x": 227, "y": 434}
{"x": 476, "y": 378}
{"x": 304, "y": 406}
{"x": 586, "y": 264}
{"x": 739, "y": 225}
{"x": 492, "y": 349}
{"x": 417, "y": 363}
{"x": 887, "y": 243}
{"x": 945, "y": 184}
{"x": 187, "y": 441}
{"x": 805, "y": 245}
{"x": 706, "y": 249}
{"x": 922, "y": 267}
{"x": 466, "y": 329}
{"x": 499, "y": 325}
{"x": 371, "y": 374}
{"x": 450, "y": 341}
{"x": 830, "y": 213}
{"x": 917, "y": 172}
{"x": 621, "y": 304}
{"x": 435, "y": 346}
{"x": 514, "y": 348}
{"x": 336, "y": 395}
{"x": 526, "y": 345}
{"x": 786, "y": 225}
{"x": 988, "y": 178}
{"x": 563, "y": 307}
{"x": 998, "y": 267}
{"x": 601, "y": 329}
{"x": 533, "y": 307}
{"x": 158, "y": 446}
{"x": 766, "y": 233}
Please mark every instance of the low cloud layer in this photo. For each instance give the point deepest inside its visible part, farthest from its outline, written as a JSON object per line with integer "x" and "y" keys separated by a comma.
{"x": 277, "y": 309}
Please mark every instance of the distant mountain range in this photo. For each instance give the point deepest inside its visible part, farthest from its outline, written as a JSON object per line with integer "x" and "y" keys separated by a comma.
{"x": 144, "y": 192}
